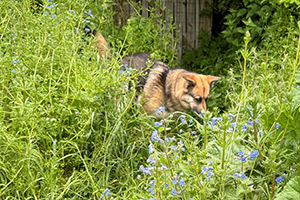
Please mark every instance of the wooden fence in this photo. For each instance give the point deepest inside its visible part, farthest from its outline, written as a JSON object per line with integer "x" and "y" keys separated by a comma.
{"x": 190, "y": 16}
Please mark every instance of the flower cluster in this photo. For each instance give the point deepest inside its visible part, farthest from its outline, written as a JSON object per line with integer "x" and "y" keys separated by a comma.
{"x": 277, "y": 125}
{"x": 208, "y": 170}
{"x": 127, "y": 70}
{"x": 50, "y": 6}
{"x": 89, "y": 13}
{"x": 106, "y": 193}
{"x": 160, "y": 110}
{"x": 241, "y": 157}
{"x": 241, "y": 175}
{"x": 279, "y": 179}
{"x": 254, "y": 154}
{"x": 15, "y": 61}
{"x": 182, "y": 119}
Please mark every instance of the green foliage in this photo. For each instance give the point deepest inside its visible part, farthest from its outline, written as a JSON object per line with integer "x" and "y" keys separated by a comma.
{"x": 150, "y": 35}
{"x": 62, "y": 135}
{"x": 291, "y": 190}
{"x": 69, "y": 131}
{"x": 267, "y": 21}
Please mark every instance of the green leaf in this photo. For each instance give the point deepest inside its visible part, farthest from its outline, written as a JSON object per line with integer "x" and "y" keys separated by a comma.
{"x": 291, "y": 190}
{"x": 241, "y": 12}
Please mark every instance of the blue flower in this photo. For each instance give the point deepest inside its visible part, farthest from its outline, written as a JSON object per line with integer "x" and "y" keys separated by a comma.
{"x": 150, "y": 160}
{"x": 240, "y": 153}
{"x": 145, "y": 170}
{"x": 277, "y": 125}
{"x": 243, "y": 159}
{"x": 13, "y": 71}
{"x": 213, "y": 121}
{"x": 244, "y": 127}
{"x": 174, "y": 181}
{"x": 150, "y": 149}
{"x": 90, "y": 13}
{"x": 46, "y": 13}
{"x": 250, "y": 121}
{"x": 182, "y": 118}
{"x": 209, "y": 174}
{"x": 87, "y": 29}
{"x": 152, "y": 183}
{"x": 251, "y": 113}
{"x": 50, "y": 6}
{"x": 157, "y": 124}
{"x": 180, "y": 131}
{"x": 233, "y": 124}
{"x": 204, "y": 169}
{"x": 230, "y": 116}
{"x": 243, "y": 176}
{"x": 167, "y": 185}
{"x": 151, "y": 191}
{"x": 181, "y": 182}
{"x": 53, "y": 15}
{"x": 96, "y": 98}
{"x": 174, "y": 191}
{"x": 279, "y": 179}
{"x": 167, "y": 139}
{"x": 194, "y": 132}
{"x": 160, "y": 110}
{"x": 154, "y": 136}
{"x": 254, "y": 154}
{"x": 107, "y": 192}
{"x": 235, "y": 175}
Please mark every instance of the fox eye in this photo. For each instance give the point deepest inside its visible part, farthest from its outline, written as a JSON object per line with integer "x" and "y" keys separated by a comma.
{"x": 199, "y": 99}
{"x": 206, "y": 99}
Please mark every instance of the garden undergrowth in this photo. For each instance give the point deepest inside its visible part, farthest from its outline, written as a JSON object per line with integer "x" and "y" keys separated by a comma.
{"x": 69, "y": 131}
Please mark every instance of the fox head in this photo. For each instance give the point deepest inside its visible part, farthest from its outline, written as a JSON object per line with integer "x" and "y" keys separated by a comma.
{"x": 194, "y": 91}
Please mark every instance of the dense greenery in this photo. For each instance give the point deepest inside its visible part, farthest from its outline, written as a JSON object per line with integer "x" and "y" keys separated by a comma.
{"x": 68, "y": 130}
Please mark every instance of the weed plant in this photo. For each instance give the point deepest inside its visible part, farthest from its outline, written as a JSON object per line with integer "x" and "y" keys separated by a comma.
{"x": 69, "y": 131}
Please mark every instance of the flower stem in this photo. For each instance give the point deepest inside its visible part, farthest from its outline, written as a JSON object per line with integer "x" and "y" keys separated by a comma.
{"x": 224, "y": 145}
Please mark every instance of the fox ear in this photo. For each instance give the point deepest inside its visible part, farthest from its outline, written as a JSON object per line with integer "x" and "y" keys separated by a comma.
{"x": 190, "y": 80}
{"x": 212, "y": 79}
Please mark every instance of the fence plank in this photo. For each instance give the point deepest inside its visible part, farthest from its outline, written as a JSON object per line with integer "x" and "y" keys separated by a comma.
{"x": 145, "y": 8}
{"x": 190, "y": 21}
{"x": 190, "y": 16}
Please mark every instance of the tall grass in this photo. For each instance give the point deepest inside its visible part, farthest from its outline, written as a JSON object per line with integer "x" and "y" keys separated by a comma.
{"x": 69, "y": 131}
{"x": 62, "y": 135}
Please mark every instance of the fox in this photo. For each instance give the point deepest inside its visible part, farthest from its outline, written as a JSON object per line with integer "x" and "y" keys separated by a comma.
{"x": 160, "y": 86}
